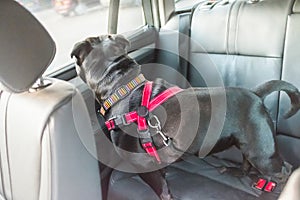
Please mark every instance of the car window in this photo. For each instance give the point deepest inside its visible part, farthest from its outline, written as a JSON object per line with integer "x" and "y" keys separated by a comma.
{"x": 185, "y": 4}
{"x": 130, "y": 15}
{"x": 70, "y": 21}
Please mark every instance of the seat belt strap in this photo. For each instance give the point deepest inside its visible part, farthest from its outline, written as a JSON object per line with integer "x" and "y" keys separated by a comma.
{"x": 4, "y": 159}
{"x": 184, "y": 43}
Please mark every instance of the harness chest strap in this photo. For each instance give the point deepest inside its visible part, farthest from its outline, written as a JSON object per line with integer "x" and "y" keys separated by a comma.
{"x": 140, "y": 116}
{"x": 131, "y": 117}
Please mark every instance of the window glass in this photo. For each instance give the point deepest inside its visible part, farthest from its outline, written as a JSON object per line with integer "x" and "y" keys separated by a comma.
{"x": 186, "y": 4}
{"x": 130, "y": 15}
{"x": 70, "y": 21}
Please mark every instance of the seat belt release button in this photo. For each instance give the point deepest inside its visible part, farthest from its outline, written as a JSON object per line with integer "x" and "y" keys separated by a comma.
{"x": 270, "y": 186}
{"x": 260, "y": 184}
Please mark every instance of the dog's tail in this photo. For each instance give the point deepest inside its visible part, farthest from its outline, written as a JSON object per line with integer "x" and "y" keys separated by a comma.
{"x": 278, "y": 85}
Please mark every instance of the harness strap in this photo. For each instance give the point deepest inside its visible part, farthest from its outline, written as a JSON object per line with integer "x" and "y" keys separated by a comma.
{"x": 143, "y": 111}
{"x": 162, "y": 97}
{"x": 140, "y": 116}
{"x": 131, "y": 117}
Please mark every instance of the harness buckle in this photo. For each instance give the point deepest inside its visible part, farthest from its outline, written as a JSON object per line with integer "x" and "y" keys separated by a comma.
{"x": 121, "y": 120}
{"x": 144, "y": 134}
{"x": 157, "y": 126}
{"x": 115, "y": 122}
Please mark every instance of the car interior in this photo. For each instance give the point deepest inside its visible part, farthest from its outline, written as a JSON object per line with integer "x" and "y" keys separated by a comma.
{"x": 52, "y": 143}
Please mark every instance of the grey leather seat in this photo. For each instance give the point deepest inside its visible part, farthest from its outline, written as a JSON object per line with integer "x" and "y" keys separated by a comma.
{"x": 291, "y": 190}
{"x": 246, "y": 43}
{"x": 44, "y": 131}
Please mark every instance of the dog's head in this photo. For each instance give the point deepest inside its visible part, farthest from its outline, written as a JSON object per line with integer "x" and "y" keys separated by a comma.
{"x": 109, "y": 46}
{"x": 95, "y": 57}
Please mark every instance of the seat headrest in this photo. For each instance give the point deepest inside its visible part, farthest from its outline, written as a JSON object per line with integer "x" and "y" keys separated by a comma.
{"x": 26, "y": 48}
{"x": 241, "y": 28}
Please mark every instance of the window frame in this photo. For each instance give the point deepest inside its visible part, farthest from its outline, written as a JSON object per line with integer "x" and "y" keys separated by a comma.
{"x": 67, "y": 71}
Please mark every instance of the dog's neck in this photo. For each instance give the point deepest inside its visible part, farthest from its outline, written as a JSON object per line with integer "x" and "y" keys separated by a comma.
{"x": 126, "y": 78}
{"x": 130, "y": 75}
{"x": 109, "y": 85}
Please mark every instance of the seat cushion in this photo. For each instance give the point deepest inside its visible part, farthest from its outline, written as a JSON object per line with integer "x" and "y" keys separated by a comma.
{"x": 192, "y": 178}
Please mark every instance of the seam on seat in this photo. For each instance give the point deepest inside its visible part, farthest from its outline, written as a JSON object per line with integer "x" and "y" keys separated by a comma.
{"x": 1, "y": 176}
{"x": 214, "y": 167}
{"x": 292, "y": 4}
{"x": 46, "y": 130}
{"x": 59, "y": 172}
{"x": 35, "y": 127}
{"x": 240, "y": 9}
{"x": 199, "y": 52}
{"x": 1, "y": 172}
{"x": 213, "y": 180}
{"x": 46, "y": 133}
{"x": 5, "y": 165}
{"x": 228, "y": 25}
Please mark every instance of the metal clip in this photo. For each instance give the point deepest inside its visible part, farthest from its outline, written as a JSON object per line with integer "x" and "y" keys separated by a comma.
{"x": 157, "y": 126}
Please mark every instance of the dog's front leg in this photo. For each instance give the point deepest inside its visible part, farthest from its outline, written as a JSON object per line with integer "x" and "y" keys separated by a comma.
{"x": 156, "y": 180}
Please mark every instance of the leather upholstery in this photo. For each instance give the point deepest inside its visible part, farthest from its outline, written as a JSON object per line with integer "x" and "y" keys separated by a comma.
{"x": 46, "y": 157}
{"x": 244, "y": 44}
{"x": 192, "y": 179}
{"x": 291, "y": 191}
{"x": 296, "y": 8}
{"x": 289, "y": 128}
{"x": 47, "y": 145}
{"x": 291, "y": 73}
{"x": 28, "y": 51}
{"x": 247, "y": 44}
{"x": 241, "y": 28}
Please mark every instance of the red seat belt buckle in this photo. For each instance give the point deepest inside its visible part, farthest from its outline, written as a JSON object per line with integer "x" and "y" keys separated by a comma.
{"x": 151, "y": 150}
{"x": 264, "y": 185}
{"x": 260, "y": 184}
{"x": 270, "y": 186}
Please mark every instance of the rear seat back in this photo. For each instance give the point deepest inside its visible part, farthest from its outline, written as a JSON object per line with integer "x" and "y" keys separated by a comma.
{"x": 289, "y": 130}
{"x": 243, "y": 40}
{"x": 248, "y": 43}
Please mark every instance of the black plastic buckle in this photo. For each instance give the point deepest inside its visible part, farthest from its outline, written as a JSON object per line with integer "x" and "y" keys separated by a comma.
{"x": 120, "y": 120}
{"x": 144, "y": 134}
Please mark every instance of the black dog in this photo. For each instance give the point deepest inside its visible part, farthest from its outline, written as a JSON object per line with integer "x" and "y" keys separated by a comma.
{"x": 102, "y": 62}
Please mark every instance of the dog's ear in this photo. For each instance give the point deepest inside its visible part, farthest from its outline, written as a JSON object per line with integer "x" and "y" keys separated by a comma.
{"x": 123, "y": 41}
{"x": 80, "y": 51}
